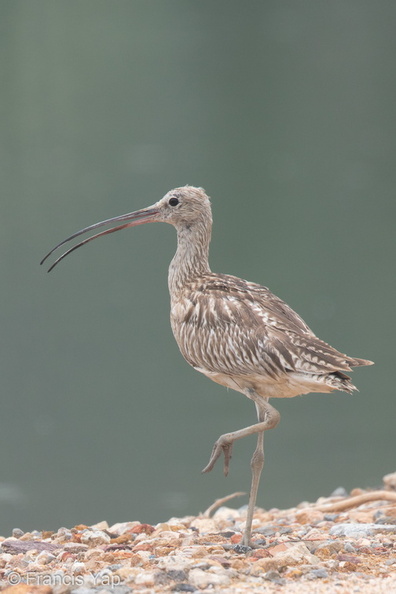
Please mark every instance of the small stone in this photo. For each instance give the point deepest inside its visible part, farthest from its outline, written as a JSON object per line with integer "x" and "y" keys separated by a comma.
{"x": 124, "y": 573}
{"x": 26, "y": 536}
{"x": 75, "y": 547}
{"x": 285, "y": 530}
{"x": 45, "y": 557}
{"x": 203, "y": 579}
{"x": 177, "y": 575}
{"x": 27, "y": 589}
{"x": 145, "y": 579}
{"x": 205, "y": 525}
{"x": 227, "y": 533}
{"x": 5, "y": 558}
{"x": 77, "y": 567}
{"x": 274, "y": 576}
{"x": 17, "y": 533}
{"x": 293, "y": 572}
{"x": 303, "y": 505}
{"x": 277, "y": 548}
{"x": 64, "y": 534}
{"x": 183, "y": 588}
{"x": 339, "y": 492}
{"x": 357, "y": 530}
{"x": 100, "y": 526}
{"x": 168, "y": 527}
{"x": 315, "y": 534}
{"x": 349, "y": 548}
{"x": 297, "y": 553}
{"x": 386, "y": 519}
{"x": 390, "y": 481}
{"x": 267, "y": 531}
{"x": 94, "y": 554}
{"x": 330, "y": 517}
{"x": 94, "y": 538}
{"x": 309, "y": 516}
{"x": 143, "y": 528}
{"x": 122, "y": 527}
{"x": 227, "y": 514}
{"x": 319, "y": 573}
{"x": 349, "y": 558}
{"x": 362, "y": 543}
{"x": 242, "y": 549}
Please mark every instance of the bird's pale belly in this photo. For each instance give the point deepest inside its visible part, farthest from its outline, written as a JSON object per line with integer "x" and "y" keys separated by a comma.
{"x": 293, "y": 385}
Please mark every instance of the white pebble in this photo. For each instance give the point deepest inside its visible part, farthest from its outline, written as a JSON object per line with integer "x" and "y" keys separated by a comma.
{"x": 94, "y": 537}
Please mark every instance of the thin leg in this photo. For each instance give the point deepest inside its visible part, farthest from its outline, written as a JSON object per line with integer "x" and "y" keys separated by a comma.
{"x": 269, "y": 415}
{"x": 268, "y": 418}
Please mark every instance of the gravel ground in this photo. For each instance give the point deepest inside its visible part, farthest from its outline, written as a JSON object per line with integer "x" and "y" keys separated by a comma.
{"x": 342, "y": 544}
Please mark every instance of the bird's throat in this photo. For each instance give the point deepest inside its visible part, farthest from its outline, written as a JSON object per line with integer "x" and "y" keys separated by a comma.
{"x": 191, "y": 259}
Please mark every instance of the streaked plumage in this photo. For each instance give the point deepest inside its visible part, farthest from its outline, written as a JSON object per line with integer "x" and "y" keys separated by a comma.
{"x": 240, "y": 335}
{"x": 235, "y": 332}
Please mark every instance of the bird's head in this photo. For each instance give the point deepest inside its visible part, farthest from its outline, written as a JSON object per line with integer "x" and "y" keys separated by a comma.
{"x": 184, "y": 208}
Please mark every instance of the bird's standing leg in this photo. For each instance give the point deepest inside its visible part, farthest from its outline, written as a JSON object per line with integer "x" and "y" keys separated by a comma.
{"x": 268, "y": 418}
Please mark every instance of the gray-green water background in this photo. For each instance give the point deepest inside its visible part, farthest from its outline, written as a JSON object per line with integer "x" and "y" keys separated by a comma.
{"x": 284, "y": 111}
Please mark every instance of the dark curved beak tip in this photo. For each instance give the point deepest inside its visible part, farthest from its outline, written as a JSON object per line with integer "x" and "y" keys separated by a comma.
{"x": 131, "y": 219}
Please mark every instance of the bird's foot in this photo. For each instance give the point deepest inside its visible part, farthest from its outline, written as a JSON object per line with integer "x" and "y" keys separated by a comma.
{"x": 222, "y": 446}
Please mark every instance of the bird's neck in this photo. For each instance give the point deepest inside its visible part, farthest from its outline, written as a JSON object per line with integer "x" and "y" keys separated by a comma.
{"x": 191, "y": 259}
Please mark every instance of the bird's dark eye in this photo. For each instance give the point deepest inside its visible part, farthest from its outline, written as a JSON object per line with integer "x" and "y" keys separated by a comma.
{"x": 173, "y": 201}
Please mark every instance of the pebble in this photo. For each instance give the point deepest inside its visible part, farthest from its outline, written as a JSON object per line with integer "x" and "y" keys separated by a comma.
{"x": 349, "y": 548}
{"x": 309, "y": 516}
{"x": 103, "y": 525}
{"x": 274, "y": 576}
{"x": 339, "y": 492}
{"x": 145, "y": 579}
{"x": 357, "y": 530}
{"x": 75, "y": 547}
{"x": 121, "y": 527}
{"x": 205, "y": 525}
{"x": 300, "y": 550}
{"x": 183, "y": 588}
{"x": 94, "y": 538}
{"x": 227, "y": 514}
{"x": 319, "y": 573}
{"x": 64, "y": 534}
{"x": 203, "y": 579}
{"x": 45, "y": 557}
{"x": 390, "y": 481}
{"x": 267, "y": 530}
{"x": 330, "y": 517}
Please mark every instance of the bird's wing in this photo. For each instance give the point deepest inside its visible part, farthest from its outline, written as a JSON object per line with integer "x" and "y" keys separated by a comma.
{"x": 226, "y": 325}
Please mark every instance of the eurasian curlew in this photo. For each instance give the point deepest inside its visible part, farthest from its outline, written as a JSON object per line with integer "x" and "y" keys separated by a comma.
{"x": 235, "y": 332}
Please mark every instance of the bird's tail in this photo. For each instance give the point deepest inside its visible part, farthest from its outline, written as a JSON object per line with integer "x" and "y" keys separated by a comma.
{"x": 360, "y": 362}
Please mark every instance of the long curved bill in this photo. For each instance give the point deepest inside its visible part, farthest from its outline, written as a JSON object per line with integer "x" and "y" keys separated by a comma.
{"x": 132, "y": 219}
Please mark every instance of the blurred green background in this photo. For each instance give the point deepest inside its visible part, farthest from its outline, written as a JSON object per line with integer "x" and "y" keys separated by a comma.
{"x": 284, "y": 111}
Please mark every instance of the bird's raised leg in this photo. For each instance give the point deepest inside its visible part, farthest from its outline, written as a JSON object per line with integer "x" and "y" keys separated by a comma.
{"x": 268, "y": 418}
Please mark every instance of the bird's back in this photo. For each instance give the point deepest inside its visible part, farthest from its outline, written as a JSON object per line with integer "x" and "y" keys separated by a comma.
{"x": 242, "y": 336}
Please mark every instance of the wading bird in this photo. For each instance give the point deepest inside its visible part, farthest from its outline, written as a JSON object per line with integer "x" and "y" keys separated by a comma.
{"x": 235, "y": 332}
